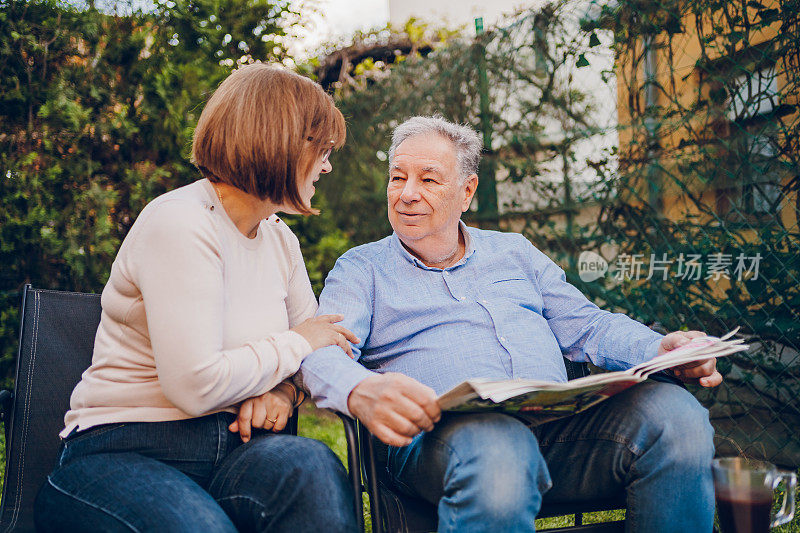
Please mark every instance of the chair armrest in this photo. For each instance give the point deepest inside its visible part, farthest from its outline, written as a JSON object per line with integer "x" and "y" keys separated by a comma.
{"x": 666, "y": 377}
{"x": 353, "y": 466}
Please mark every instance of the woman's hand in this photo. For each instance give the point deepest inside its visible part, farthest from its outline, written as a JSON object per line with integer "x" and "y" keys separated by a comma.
{"x": 270, "y": 411}
{"x": 323, "y": 331}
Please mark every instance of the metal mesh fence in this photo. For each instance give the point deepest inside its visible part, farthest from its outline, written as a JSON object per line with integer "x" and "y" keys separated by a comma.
{"x": 652, "y": 149}
{"x": 689, "y": 217}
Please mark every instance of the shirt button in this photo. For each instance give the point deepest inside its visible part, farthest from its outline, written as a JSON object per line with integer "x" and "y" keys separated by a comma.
{"x": 462, "y": 297}
{"x": 484, "y": 302}
{"x": 502, "y": 339}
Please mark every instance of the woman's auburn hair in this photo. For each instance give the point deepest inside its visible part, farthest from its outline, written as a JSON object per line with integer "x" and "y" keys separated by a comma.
{"x": 255, "y": 131}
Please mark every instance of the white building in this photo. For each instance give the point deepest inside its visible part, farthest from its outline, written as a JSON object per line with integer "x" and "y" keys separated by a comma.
{"x": 454, "y": 13}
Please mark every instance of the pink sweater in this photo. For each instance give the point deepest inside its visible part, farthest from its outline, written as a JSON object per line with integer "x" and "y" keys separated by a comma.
{"x": 196, "y": 316}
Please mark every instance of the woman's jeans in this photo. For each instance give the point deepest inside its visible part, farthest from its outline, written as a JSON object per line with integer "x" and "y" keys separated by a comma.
{"x": 491, "y": 472}
{"x": 194, "y": 475}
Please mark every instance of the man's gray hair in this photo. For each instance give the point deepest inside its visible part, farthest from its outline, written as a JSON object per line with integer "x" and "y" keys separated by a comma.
{"x": 466, "y": 140}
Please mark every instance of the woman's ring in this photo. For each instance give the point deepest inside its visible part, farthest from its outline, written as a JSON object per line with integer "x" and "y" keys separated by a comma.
{"x": 273, "y": 421}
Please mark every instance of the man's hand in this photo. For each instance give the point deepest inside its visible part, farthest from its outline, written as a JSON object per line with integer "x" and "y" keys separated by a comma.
{"x": 271, "y": 410}
{"x": 703, "y": 372}
{"x": 394, "y": 407}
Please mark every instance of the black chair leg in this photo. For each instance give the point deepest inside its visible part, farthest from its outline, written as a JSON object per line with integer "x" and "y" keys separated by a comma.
{"x": 372, "y": 482}
{"x": 354, "y": 467}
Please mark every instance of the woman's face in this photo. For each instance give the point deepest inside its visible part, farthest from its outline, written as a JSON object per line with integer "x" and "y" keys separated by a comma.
{"x": 321, "y": 165}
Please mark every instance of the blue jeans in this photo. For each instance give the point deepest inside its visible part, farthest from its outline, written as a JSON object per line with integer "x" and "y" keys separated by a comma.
{"x": 194, "y": 475}
{"x": 491, "y": 472}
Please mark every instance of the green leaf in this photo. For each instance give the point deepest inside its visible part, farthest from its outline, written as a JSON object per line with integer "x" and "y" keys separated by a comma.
{"x": 735, "y": 36}
{"x": 718, "y": 95}
{"x": 673, "y": 26}
{"x": 582, "y": 61}
{"x": 768, "y": 16}
{"x": 593, "y": 40}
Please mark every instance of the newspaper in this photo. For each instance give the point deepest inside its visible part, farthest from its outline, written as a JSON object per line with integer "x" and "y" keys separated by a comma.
{"x": 543, "y": 401}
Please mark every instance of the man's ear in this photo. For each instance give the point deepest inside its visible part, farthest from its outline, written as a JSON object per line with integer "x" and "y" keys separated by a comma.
{"x": 470, "y": 187}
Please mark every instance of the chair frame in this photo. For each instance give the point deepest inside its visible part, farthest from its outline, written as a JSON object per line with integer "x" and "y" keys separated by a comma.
{"x": 359, "y": 438}
{"x": 361, "y": 456}
{"x": 366, "y": 443}
{"x": 8, "y": 404}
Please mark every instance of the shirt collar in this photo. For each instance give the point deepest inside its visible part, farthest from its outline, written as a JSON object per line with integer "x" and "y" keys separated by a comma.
{"x": 469, "y": 249}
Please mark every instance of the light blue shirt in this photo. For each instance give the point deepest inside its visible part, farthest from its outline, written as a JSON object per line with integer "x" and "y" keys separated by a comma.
{"x": 504, "y": 311}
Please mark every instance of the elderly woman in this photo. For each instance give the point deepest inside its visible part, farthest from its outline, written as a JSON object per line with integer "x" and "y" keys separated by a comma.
{"x": 207, "y": 313}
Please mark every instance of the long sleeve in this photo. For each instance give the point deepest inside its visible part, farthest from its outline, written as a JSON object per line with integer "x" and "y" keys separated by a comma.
{"x": 587, "y": 333}
{"x": 328, "y": 374}
{"x": 177, "y": 265}
{"x": 300, "y": 300}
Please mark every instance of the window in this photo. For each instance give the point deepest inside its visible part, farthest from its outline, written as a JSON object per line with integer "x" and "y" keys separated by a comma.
{"x": 753, "y": 94}
{"x": 753, "y": 185}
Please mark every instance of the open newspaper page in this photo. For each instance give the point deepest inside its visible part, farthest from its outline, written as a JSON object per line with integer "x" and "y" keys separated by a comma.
{"x": 542, "y": 401}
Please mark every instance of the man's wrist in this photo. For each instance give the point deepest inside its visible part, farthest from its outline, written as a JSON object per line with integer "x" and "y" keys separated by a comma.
{"x": 353, "y": 401}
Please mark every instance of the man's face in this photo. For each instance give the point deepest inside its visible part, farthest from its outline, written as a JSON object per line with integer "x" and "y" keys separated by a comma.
{"x": 425, "y": 195}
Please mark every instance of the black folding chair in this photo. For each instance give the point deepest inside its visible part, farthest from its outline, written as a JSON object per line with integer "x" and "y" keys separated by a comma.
{"x": 56, "y": 343}
{"x": 396, "y": 512}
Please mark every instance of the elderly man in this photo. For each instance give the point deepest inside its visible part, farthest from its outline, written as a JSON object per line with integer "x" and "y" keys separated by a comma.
{"x": 437, "y": 303}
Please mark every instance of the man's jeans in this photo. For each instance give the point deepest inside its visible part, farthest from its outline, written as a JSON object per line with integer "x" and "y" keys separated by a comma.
{"x": 194, "y": 475}
{"x": 490, "y": 472}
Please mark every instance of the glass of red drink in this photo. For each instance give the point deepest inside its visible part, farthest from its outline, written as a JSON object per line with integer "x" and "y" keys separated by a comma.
{"x": 744, "y": 490}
